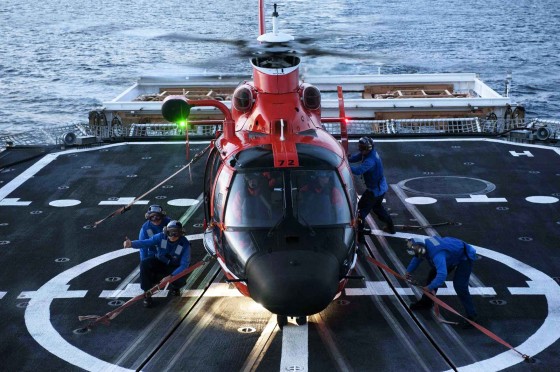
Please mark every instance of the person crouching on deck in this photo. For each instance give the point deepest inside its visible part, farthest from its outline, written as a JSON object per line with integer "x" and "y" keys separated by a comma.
{"x": 444, "y": 255}
{"x": 156, "y": 220}
{"x": 172, "y": 257}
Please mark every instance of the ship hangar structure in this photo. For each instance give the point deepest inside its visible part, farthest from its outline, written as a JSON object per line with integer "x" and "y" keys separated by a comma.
{"x": 446, "y": 178}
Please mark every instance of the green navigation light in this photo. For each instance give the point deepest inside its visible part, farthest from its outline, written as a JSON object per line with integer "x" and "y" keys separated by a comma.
{"x": 176, "y": 111}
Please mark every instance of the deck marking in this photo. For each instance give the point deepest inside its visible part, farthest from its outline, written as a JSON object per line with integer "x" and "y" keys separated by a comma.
{"x": 381, "y": 288}
{"x": 261, "y": 346}
{"x": 377, "y": 288}
{"x": 524, "y": 153}
{"x": 543, "y": 337}
{"x": 27, "y": 174}
{"x": 182, "y": 202}
{"x": 64, "y": 203}
{"x": 420, "y": 200}
{"x": 295, "y": 353}
{"x": 480, "y": 199}
{"x": 123, "y": 200}
{"x": 13, "y": 202}
{"x": 37, "y": 316}
{"x": 8, "y": 188}
{"x": 131, "y": 290}
{"x": 194, "y": 237}
{"x": 534, "y": 288}
{"x": 215, "y": 290}
{"x": 541, "y": 199}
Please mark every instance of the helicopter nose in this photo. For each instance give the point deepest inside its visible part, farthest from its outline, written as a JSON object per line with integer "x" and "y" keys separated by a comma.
{"x": 293, "y": 283}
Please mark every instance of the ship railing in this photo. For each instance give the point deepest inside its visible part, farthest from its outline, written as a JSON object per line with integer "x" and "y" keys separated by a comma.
{"x": 409, "y": 126}
{"x": 52, "y": 135}
{"x": 148, "y": 130}
{"x": 514, "y": 129}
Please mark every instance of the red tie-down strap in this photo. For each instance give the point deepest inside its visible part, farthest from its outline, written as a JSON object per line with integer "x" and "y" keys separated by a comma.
{"x": 105, "y": 319}
{"x": 439, "y": 302}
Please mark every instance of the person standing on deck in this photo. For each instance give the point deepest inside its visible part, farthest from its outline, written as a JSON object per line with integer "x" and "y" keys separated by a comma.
{"x": 371, "y": 169}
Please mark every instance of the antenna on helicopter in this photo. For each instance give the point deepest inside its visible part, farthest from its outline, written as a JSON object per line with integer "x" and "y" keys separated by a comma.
{"x": 275, "y": 21}
{"x": 275, "y": 36}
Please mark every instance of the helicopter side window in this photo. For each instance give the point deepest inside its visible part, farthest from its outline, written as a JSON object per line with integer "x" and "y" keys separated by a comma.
{"x": 219, "y": 196}
{"x": 256, "y": 200}
{"x": 239, "y": 247}
{"x": 318, "y": 198}
{"x": 348, "y": 180}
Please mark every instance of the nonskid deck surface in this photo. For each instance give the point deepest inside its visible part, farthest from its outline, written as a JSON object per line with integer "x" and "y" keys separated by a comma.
{"x": 502, "y": 198}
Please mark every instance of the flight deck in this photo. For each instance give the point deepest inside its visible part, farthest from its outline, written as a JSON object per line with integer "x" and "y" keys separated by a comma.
{"x": 501, "y": 197}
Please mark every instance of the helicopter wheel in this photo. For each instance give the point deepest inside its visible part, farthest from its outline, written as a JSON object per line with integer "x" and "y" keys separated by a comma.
{"x": 301, "y": 320}
{"x": 282, "y": 320}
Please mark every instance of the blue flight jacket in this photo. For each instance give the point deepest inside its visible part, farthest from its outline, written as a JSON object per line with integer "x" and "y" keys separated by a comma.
{"x": 443, "y": 253}
{"x": 148, "y": 230}
{"x": 371, "y": 168}
{"x": 170, "y": 253}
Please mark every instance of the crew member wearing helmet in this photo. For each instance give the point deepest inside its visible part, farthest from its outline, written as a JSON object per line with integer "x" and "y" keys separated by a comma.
{"x": 156, "y": 220}
{"x": 253, "y": 203}
{"x": 371, "y": 169}
{"x": 319, "y": 200}
{"x": 172, "y": 257}
{"x": 444, "y": 255}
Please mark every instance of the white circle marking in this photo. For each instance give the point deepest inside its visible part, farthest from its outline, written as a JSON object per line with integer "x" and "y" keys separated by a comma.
{"x": 37, "y": 313}
{"x": 183, "y": 202}
{"x": 64, "y": 203}
{"x": 541, "y": 199}
{"x": 420, "y": 200}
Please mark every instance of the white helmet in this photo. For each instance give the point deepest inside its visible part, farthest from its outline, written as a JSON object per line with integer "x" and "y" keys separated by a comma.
{"x": 416, "y": 247}
{"x": 174, "y": 228}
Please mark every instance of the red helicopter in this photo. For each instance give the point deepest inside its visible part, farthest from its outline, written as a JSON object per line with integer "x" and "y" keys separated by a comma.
{"x": 279, "y": 196}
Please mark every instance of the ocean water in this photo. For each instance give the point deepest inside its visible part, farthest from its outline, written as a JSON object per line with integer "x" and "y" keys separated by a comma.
{"x": 60, "y": 59}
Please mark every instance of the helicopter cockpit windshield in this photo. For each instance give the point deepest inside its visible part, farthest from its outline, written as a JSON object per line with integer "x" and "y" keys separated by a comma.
{"x": 318, "y": 198}
{"x": 257, "y": 200}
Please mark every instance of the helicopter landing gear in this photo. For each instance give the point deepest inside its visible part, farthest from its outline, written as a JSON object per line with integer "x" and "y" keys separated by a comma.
{"x": 301, "y": 320}
{"x": 282, "y": 320}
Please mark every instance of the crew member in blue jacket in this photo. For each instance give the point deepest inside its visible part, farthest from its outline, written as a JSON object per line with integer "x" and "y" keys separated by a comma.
{"x": 371, "y": 169}
{"x": 444, "y": 255}
{"x": 172, "y": 257}
{"x": 156, "y": 220}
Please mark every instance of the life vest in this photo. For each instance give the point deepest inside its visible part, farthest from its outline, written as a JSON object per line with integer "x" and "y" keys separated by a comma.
{"x": 164, "y": 256}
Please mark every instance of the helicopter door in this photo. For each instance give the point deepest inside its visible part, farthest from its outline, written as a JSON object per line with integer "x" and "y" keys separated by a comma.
{"x": 212, "y": 166}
